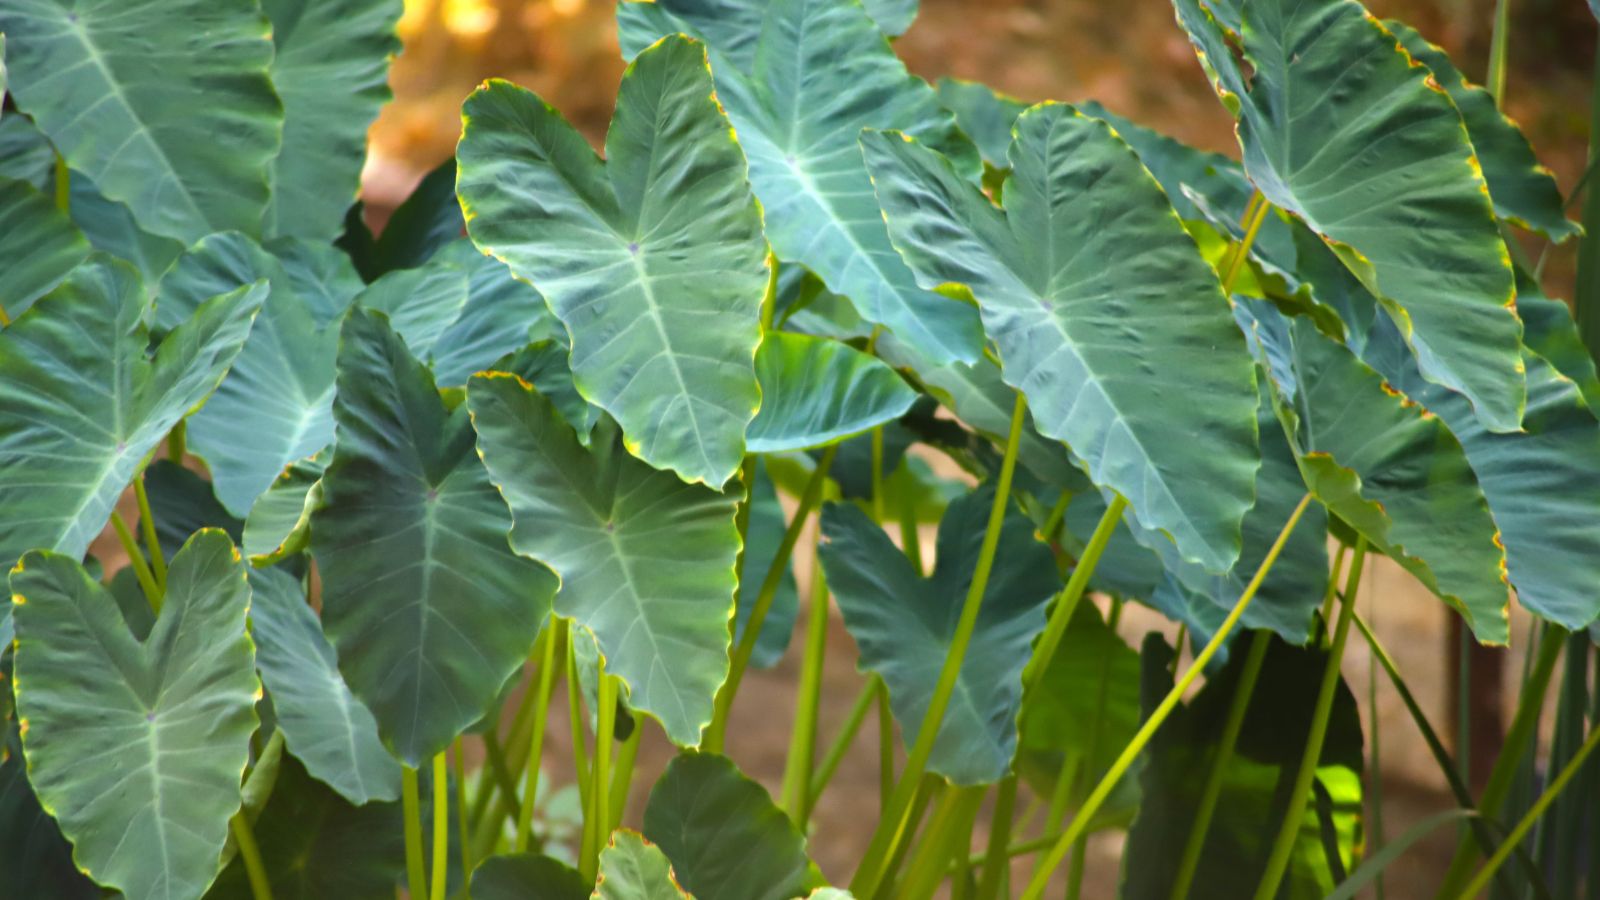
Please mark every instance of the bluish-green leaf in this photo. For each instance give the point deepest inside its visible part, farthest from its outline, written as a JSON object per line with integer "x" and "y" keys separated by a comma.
{"x": 420, "y": 303}
{"x": 1550, "y": 331}
{"x": 986, "y": 115}
{"x": 38, "y": 246}
{"x": 904, "y": 623}
{"x": 279, "y": 523}
{"x": 653, "y": 258}
{"x": 646, "y": 561}
{"x": 116, "y": 84}
{"x": 1113, "y": 326}
{"x": 501, "y": 314}
{"x": 816, "y": 391}
{"x": 81, "y": 402}
{"x": 137, "y": 747}
{"x": 800, "y": 79}
{"x": 427, "y": 606}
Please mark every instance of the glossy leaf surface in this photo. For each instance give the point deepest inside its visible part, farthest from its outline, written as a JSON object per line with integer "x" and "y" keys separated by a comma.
{"x": 816, "y": 391}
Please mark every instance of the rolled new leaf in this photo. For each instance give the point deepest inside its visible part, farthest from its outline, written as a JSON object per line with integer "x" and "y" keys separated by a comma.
{"x": 653, "y": 258}
{"x": 137, "y": 747}
{"x": 429, "y": 610}
{"x": 1114, "y": 327}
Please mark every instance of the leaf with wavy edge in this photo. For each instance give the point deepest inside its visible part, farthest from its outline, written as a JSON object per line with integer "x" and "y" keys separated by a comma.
{"x": 279, "y": 524}
{"x": 137, "y": 747}
{"x": 632, "y": 868}
{"x": 800, "y": 79}
{"x": 82, "y": 403}
{"x": 129, "y": 117}
{"x": 429, "y": 610}
{"x": 816, "y": 391}
{"x": 646, "y": 561}
{"x": 1113, "y": 327}
{"x": 653, "y": 258}
{"x": 1343, "y": 129}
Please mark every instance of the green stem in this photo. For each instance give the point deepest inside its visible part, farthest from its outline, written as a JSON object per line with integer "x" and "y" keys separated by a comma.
{"x": 495, "y": 753}
{"x": 1375, "y": 772}
{"x": 1052, "y": 520}
{"x": 141, "y": 569}
{"x": 147, "y": 526}
{"x": 1289, "y": 830}
{"x": 928, "y": 788}
{"x": 1067, "y": 602}
{"x": 1255, "y": 215}
{"x": 1518, "y": 738}
{"x": 178, "y": 441}
{"x": 910, "y": 536}
{"x": 622, "y": 774}
{"x": 995, "y": 860}
{"x": 769, "y": 300}
{"x": 1041, "y": 875}
{"x": 951, "y": 823}
{"x": 796, "y": 793}
{"x": 892, "y": 828}
{"x": 1329, "y": 596}
{"x": 1499, "y": 37}
{"x": 877, "y": 474}
{"x": 416, "y": 875}
{"x": 63, "y": 185}
{"x": 461, "y": 817}
{"x": 885, "y": 747}
{"x": 717, "y": 732}
{"x": 841, "y": 742}
{"x": 606, "y": 719}
{"x": 441, "y": 824}
{"x": 1189, "y": 863}
{"x": 1572, "y": 768}
{"x": 541, "y": 715}
{"x": 250, "y": 853}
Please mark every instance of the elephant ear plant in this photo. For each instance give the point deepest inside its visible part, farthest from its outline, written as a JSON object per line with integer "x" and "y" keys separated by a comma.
{"x": 396, "y": 493}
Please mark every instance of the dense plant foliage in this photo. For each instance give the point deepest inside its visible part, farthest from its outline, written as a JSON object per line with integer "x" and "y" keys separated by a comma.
{"x": 394, "y": 491}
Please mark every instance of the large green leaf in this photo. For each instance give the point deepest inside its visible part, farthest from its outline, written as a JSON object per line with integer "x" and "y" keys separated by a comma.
{"x": 646, "y": 561}
{"x": 501, "y": 314}
{"x": 276, "y": 405}
{"x": 316, "y": 845}
{"x": 763, "y": 535}
{"x": 1340, "y": 128}
{"x": 428, "y": 608}
{"x": 527, "y": 876}
{"x": 323, "y": 724}
{"x": 81, "y": 403}
{"x": 330, "y": 65}
{"x": 1523, "y": 191}
{"x": 800, "y": 79}
{"x": 816, "y": 391}
{"x": 653, "y": 258}
{"x": 1387, "y": 467}
{"x": 1540, "y": 484}
{"x": 904, "y": 623}
{"x": 725, "y": 837}
{"x": 1255, "y": 785}
{"x": 137, "y": 747}
{"x": 38, "y": 246}
{"x": 632, "y": 868}
{"x": 116, "y": 84}
{"x": 1113, "y": 326}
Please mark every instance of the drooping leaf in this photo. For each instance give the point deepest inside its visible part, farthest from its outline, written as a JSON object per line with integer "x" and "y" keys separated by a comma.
{"x": 81, "y": 403}
{"x": 137, "y": 747}
{"x": 1387, "y": 467}
{"x": 37, "y": 860}
{"x": 429, "y": 610}
{"x": 1340, "y": 128}
{"x": 646, "y": 561}
{"x": 725, "y": 837}
{"x": 323, "y": 724}
{"x": 315, "y": 845}
{"x": 128, "y": 116}
{"x": 279, "y": 524}
{"x": 1539, "y": 484}
{"x": 429, "y": 219}
{"x": 330, "y": 66}
{"x": 1523, "y": 190}
{"x": 800, "y": 79}
{"x": 501, "y": 315}
{"x": 420, "y": 303}
{"x": 816, "y": 391}
{"x": 653, "y": 258}
{"x": 1255, "y": 787}
{"x": 276, "y": 404}
{"x": 904, "y": 624}
{"x": 762, "y": 536}
{"x": 527, "y": 876}
{"x": 1113, "y": 327}
{"x": 632, "y": 868}
{"x": 38, "y": 246}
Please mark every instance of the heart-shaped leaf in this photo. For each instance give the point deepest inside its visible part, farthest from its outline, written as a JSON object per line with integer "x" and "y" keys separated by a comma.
{"x": 81, "y": 402}
{"x": 816, "y": 391}
{"x": 38, "y": 246}
{"x": 128, "y": 117}
{"x": 646, "y": 561}
{"x": 725, "y": 837}
{"x": 800, "y": 79}
{"x": 323, "y": 724}
{"x": 904, "y": 623}
{"x": 653, "y": 259}
{"x": 330, "y": 66}
{"x": 429, "y": 610}
{"x": 137, "y": 747}
{"x": 1382, "y": 170}
{"x": 632, "y": 868}
{"x": 1113, "y": 327}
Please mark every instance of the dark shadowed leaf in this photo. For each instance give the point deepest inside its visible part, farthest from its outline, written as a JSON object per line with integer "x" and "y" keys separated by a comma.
{"x": 761, "y": 540}
{"x": 527, "y": 876}
{"x": 429, "y": 219}
{"x": 37, "y": 860}
{"x": 181, "y": 503}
